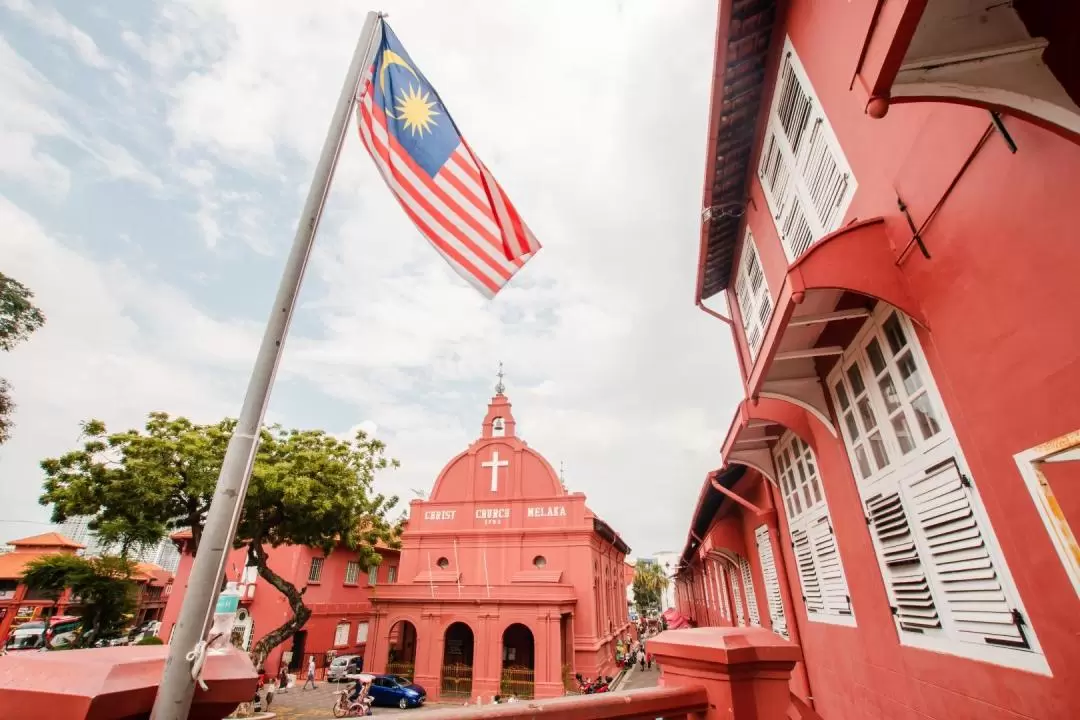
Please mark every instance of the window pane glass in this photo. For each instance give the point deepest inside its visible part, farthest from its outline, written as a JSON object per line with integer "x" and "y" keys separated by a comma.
{"x": 894, "y": 334}
{"x": 924, "y": 415}
{"x": 795, "y": 501}
{"x": 888, "y": 393}
{"x": 877, "y": 360}
{"x": 864, "y": 464}
{"x": 903, "y": 433}
{"x": 909, "y": 374}
{"x": 877, "y": 447}
{"x": 855, "y": 378}
{"x": 853, "y": 429}
{"x": 866, "y": 414}
{"x": 841, "y": 395}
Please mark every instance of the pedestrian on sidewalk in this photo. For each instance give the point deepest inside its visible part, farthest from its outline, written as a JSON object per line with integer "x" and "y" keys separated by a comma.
{"x": 283, "y": 678}
{"x": 310, "y": 674}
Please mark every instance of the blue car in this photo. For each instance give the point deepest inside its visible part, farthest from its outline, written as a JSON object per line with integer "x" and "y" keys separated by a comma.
{"x": 395, "y": 690}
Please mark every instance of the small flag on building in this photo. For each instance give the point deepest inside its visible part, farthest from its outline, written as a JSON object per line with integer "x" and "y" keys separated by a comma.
{"x": 442, "y": 185}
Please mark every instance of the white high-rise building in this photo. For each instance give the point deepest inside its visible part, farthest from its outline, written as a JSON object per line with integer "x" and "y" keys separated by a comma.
{"x": 163, "y": 554}
{"x": 668, "y": 561}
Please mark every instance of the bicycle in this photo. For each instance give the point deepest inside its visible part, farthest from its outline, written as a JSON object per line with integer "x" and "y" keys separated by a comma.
{"x": 351, "y": 708}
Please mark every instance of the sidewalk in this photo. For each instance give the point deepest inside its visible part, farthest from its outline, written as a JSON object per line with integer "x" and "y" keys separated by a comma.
{"x": 636, "y": 678}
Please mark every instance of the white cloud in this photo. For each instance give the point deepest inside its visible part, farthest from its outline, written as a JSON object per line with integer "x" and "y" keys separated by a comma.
{"x": 50, "y": 22}
{"x": 593, "y": 118}
{"x": 94, "y": 359}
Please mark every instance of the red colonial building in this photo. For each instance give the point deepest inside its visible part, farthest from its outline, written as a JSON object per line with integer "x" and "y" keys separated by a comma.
{"x": 338, "y": 591}
{"x": 509, "y": 584}
{"x": 889, "y": 213}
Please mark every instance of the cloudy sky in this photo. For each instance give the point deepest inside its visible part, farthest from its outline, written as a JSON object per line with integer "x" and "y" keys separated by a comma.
{"x": 154, "y": 157}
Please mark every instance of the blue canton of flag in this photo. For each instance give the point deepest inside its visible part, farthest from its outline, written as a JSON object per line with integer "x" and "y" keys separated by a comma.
{"x": 443, "y": 187}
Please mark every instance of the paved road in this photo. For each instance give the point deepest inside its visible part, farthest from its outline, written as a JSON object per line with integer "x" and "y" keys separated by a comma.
{"x": 312, "y": 704}
{"x": 637, "y": 679}
{"x": 315, "y": 704}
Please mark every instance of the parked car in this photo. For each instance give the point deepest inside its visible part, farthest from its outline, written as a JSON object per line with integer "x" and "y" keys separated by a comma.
{"x": 397, "y": 691}
{"x": 28, "y": 635}
{"x": 344, "y": 665}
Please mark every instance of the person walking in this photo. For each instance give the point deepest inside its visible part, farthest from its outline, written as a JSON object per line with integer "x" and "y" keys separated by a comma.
{"x": 310, "y": 674}
{"x": 283, "y": 678}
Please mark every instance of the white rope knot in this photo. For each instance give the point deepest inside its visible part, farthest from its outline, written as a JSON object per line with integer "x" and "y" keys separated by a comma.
{"x": 197, "y": 657}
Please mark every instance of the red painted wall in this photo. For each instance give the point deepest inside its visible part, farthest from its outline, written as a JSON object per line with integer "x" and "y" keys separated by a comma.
{"x": 999, "y": 292}
{"x": 331, "y": 600}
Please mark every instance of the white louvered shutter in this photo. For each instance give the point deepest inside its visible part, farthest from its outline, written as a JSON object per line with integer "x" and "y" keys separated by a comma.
{"x": 752, "y": 293}
{"x": 830, "y": 573}
{"x": 972, "y": 592}
{"x": 751, "y": 596}
{"x": 913, "y": 603}
{"x": 721, "y": 576}
{"x": 808, "y": 574}
{"x": 772, "y": 581}
{"x": 808, "y": 182}
{"x": 740, "y": 617}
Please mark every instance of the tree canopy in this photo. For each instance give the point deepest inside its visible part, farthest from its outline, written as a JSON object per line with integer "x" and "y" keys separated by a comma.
{"x": 307, "y": 488}
{"x": 19, "y": 317}
{"x": 648, "y": 586}
{"x": 102, "y": 585}
{"x": 138, "y": 486}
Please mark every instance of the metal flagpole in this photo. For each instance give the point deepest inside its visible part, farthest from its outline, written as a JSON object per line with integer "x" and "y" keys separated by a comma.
{"x": 187, "y": 648}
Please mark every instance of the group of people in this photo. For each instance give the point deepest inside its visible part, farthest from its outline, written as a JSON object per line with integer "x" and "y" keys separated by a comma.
{"x": 630, "y": 651}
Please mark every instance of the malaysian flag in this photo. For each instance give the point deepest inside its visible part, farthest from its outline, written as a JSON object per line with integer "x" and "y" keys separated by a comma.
{"x": 444, "y": 188}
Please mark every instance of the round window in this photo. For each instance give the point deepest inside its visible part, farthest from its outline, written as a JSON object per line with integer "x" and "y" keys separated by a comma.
{"x": 539, "y": 561}
{"x": 443, "y": 563}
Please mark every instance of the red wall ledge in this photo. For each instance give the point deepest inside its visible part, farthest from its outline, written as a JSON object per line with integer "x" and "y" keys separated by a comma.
{"x": 707, "y": 673}
{"x": 113, "y": 684}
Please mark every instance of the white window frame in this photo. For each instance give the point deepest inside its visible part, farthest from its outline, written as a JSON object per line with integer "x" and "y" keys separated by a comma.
{"x": 373, "y": 575}
{"x": 752, "y": 295}
{"x": 352, "y": 572}
{"x": 391, "y": 574}
{"x": 315, "y": 571}
{"x": 361, "y": 632}
{"x": 748, "y": 592}
{"x": 807, "y": 511}
{"x": 803, "y": 210}
{"x": 941, "y": 449}
{"x": 770, "y": 576}
{"x": 341, "y": 634}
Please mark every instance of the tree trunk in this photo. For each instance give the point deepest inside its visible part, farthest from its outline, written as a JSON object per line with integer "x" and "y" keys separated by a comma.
{"x": 301, "y": 612}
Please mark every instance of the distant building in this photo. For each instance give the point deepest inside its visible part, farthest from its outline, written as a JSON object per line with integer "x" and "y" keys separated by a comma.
{"x": 669, "y": 562}
{"x": 163, "y": 554}
{"x": 509, "y": 584}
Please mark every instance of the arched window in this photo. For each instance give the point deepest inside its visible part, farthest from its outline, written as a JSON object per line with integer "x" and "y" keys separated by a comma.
{"x": 498, "y": 427}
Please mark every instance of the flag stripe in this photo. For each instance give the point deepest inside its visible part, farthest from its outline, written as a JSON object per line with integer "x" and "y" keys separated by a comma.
{"x": 418, "y": 186}
{"x": 443, "y": 187}
{"x": 448, "y": 247}
{"x": 452, "y": 216}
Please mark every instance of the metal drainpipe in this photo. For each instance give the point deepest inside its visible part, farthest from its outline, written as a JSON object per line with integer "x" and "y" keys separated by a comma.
{"x": 777, "y": 507}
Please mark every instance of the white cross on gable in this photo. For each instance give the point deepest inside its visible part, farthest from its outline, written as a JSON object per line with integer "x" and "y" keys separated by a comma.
{"x": 495, "y": 464}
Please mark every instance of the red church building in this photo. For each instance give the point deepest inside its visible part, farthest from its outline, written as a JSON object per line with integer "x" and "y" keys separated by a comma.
{"x": 338, "y": 592}
{"x": 509, "y": 584}
{"x": 890, "y": 213}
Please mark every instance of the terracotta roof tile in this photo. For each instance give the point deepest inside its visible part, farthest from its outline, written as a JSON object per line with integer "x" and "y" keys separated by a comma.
{"x": 49, "y": 539}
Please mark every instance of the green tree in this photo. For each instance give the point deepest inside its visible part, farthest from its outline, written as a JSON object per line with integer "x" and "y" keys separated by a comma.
{"x": 307, "y": 488}
{"x": 138, "y": 486}
{"x": 310, "y": 488}
{"x": 49, "y": 576}
{"x": 18, "y": 319}
{"x": 103, "y": 586}
{"x": 649, "y": 585}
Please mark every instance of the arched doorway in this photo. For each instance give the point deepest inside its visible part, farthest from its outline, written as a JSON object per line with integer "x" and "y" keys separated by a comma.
{"x": 518, "y": 662}
{"x": 401, "y": 657}
{"x": 457, "y": 664}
